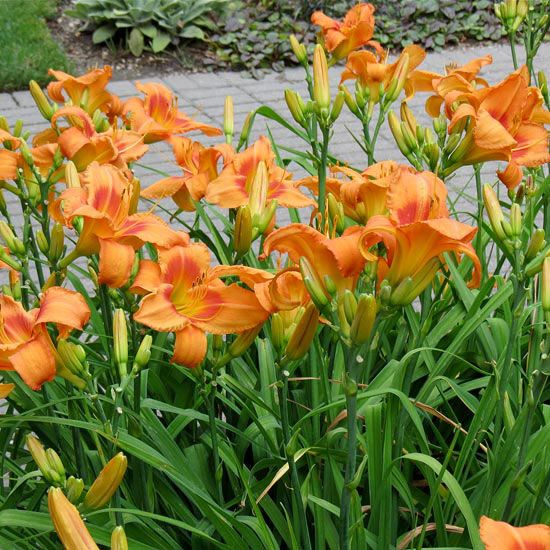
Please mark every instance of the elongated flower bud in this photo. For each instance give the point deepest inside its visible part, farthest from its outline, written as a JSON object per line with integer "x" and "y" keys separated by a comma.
{"x": 364, "y": 319}
{"x": 106, "y": 483}
{"x": 242, "y": 236}
{"x": 56, "y": 464}
{"x": 246, "y": 129}
{"x": 258, "y": 191}
{"x": 228, "y": 119}
{"x": 350, "y": 305}
{"x": 337, "y": 107}
{"x": 409, "y": 137}
{"x": 71, "y": 175}
{"x": 543, "y": 84}
{"x": 321, "y": 87}
{"x": 8, "y": 236}
{"x": 118, "y": 539}
{"x": 120, "y": 336}
{"x": 295, "y": 106}
{"x": 407, "y": 116}
{"x": 44, "y": 106}
{"x": 243, "y": 341}
{"x": 299, "y": 49}
{"x": 67, "y": 522}
{"x": 494, "y": 211}
{"x": 7, "y": 259}
{"x": 73, "y": 357}
{"x": 535, "y": 244}
{"x": 74, "y": 488}
{"x": 56, "y": 243}
{"x": 42, "y": 243}
{"x": 313, "y": 283}
{"x": 516, "y": 219}
{"x": 143, "y": 353}
{"x": 397, "y": 132}
{"x": 336, "y": 212}
{"x": 38, "y": 453}
{"x": 302, "y": 336}
{"x": 398, "y": 81}
{"x": 350, "y": 101}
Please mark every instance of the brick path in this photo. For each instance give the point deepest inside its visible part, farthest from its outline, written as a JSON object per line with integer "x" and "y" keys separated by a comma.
{"x": 202, "y": 96}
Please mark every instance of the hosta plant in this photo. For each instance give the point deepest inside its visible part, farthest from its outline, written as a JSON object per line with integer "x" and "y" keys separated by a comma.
{"x": 334, "y": 360}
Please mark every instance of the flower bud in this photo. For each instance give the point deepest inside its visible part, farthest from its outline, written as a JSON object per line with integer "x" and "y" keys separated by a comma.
{"x": 120, "y": 336}
{"x": 521, "y": 13}
{"x": 7, "y": 235}
{"x": 228, "y": 119}
{"x": 343, "y": 321}
{"x": 67, "y": 522}
{"x": 545, "y": 288}
{"x": 278, "y": 332}
{"x": 336, "y": 212}
{"x": 44, "y": 106}
{"x": 543, "y": 84}
{"x": 4, "y": 124}
{"x": 313, "y": 283}
{"x": 56, "y": 243}
{"x": 337, "y": 107}
{"x": 38, "y": 453}
{"x": 106, "y": 483}
{"x": 71, "y": 175}
{"x": 397, "y": 132}
{"x": 494, "y": 211}
{"x": 299, "y": 50}
{"x": 11, "y": 262}
{"x": 242, "y": 235}
{"x": 303, "y": 334}
{"x": 364, "y": 319}
{"x": 535, "y": 244}
{"x": 42, "y": 243}
{"x": 296, "y": 106}
{"x": 18, "y": 128}
{"x": 143, "y": 353}
{"x": 258, "y": 191}
{"x": 56, "y": 464}
{"x": 409, "y": 137}
{"x": 246, "y": 129}
{"x": 349, "y": 303}
{"x": 118, "y": 539}
{"x": 329, "y": 285}
{"x": 350, "y": 101}
{"x": 266, "y": 217}
{"x": 407, "y": 116}
{"x": 398, "y": 81}
{"x": 431, "y": 150}
{"x": 321, "y": 88}
{"x": 535, "y": 265}
{"x": 74, "y": 488}
{"x": 243, "y": 341}
{"x": 515, "y": 220}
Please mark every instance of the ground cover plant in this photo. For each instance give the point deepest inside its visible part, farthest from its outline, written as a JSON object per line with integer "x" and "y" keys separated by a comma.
{"x": 28, "y": 49}
{"x": 372, "y": 374}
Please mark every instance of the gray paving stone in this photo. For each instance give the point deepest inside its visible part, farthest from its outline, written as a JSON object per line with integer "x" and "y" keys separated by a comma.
{"x": 7, "y": 102}
{"x": 24, "y": 99}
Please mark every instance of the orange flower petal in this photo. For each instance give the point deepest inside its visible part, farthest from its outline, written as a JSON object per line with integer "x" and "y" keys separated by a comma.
{"x": 190, "y": 347}
{"x": 498, "y": 535}
{"x": 5, "y": 390}
{"x": 34, "y": 361}
{"x": 490, "y": 134}
{"x": 66, "y": 308}
{"x": 511, "y": 176}
{"x": 115, "y": 262}
{"x": 532, "y": 145}
{"x": 148, "y": 277}
{"x": 165, "y": 187}
{"x": 16, "y": 324}
{"x": 157, "y": 311}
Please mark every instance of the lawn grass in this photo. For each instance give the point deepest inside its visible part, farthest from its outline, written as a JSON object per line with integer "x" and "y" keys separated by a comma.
{"x": 27, "y": 46}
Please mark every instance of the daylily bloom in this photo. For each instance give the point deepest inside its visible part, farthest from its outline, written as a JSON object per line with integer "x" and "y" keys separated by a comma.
{"x": 506, "y": 123}
{"x": 414, "y": 252}
{"x": 157, "y": 116}
{"x": 25, "y": 345}
{"x": 499, "y": 535}
{"x": 83, "y": 145}
{"x": 185, "y": 296}
{"x": 428, "y": 81}
{"x": 104, "y": 203}
{"x": 200, "y": 167}
{"x": 339, "y": 258}
{"x": 234, "y": 186}
{"x": 373, "y": 71}
{"x": 9, "y": 159}
{"x": 342, "y": 37}
{"x": 387, "y": 188}
{"x": 86, "y": 91}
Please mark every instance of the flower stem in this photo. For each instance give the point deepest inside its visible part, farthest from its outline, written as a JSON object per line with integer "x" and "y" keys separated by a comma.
{"x": 211, "y": 398}
{"x": 322, "y": 175}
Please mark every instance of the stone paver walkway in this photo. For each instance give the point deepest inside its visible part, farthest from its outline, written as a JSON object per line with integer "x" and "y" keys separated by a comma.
{"x": 202, "y": 96}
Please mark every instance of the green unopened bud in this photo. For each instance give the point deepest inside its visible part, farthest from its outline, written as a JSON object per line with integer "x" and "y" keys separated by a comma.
{"x": 243, "y": 341}
{"x": 321, "y": 87}
{"x": 398, "y": 81}
{"x": 44, "y": 106}
{"x": 494, "y": 211}
{"x": 299, "y": 50}
{"x": 71, "y": 175}
{"x": 521, "y": 13}
{"x": 263, "y": 221}
{"x": 349, "y": 303}
{"x": 339, "y": 101}
{"x": 228, "y": 119}
{"x": 515, "y": 220}
{"x": 11, "y": 262}
{"x": 7, "y": 235}
{"x": 4, "y": 124}
{"x": 350, "y": 101}
{"x": 242, "y": 236}
{"x": 120, "y": 336}
{"x": 42, "y": 243}
{"x": 536, "y": 265}
{"x": 38, "y": 453}
{"x": 545, "y": 288}
{"x": 278, "y": 332}
{"x": 106, "y": 483}
{"x": 329, "y": 285}
{"x": 56, "y": 243}
{"x": 74, "y": 488}
{"x": 73, "y": 357}
{"x": 343, "y": 321}
{"x": 384, "y": 293}
{"x": 440, "y": 126}
{"x": 536, "y": 244}
{"x": 509, "y": 420}
{"x": 143, "y": 353}
{"x": 397, "y": 132}
{"x": 246, "y": 129}
{"x": 56, "y": 464}
{"x": 303, "y": 334}
{"x": 118, "y": 539}
{"x": 409, "y": 138}
{"x": 336, "y": 213}
{"x": 365, "y": 317}
{"x": 313, "y": 283}
{"x": 431, "y": 150}
{"x": 543, "y": 84}
{"x": 507, "y": 229}
{"x": 18, "y": 128}
{"x": 296, "y": 106}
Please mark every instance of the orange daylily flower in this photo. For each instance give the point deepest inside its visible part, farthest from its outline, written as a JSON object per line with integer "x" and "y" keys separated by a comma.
{"x": 25, "y": 345}
{"x": 372, "y": 70}
{"x": 9, "y": 159}
{"x": 184, "y": 295}
{"x": 337, "y": 258}
{"x": 83, "y": 145}
{"x": 342, "y": 37}
{"x": 200, "y": 167}
{"x": 506, "y": 123}
{"x": 428, "y": 81}
{"x": 86, "y": 91}
{"x": 157, "y": 116}
{"x": 415, "y": 251}
{"x": 104, "y": 203}
{"x": 499, "y": 535}
{"x": 233, "y": 187}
